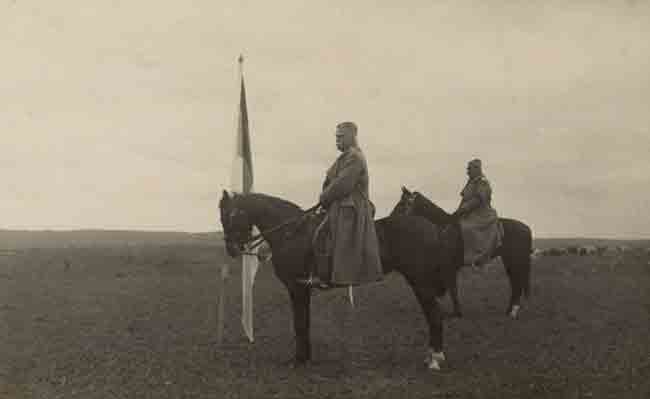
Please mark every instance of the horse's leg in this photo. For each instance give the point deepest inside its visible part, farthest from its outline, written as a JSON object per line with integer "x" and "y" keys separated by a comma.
{"x": 300, "y": 301}
{"x": 450, "y": 276}
{"x": 454, "y": 262}
{"x": 453, "y": 292}
{"x": 431, "y": 309}
{"x": 512, "y": 266}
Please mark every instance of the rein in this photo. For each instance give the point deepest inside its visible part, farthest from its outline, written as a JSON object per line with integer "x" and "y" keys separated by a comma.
{"x": 257, "y": 240}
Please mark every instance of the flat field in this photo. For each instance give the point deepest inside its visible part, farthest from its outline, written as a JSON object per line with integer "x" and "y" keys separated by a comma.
{"x": 133, "y": 316}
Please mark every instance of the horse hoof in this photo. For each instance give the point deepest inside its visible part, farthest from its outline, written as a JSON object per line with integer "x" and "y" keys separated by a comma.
{"x": 514, "y": 312}
{"x": 434, "y": 365}
{"x": 296, "y": 363}
{"x": 434, "y": 359}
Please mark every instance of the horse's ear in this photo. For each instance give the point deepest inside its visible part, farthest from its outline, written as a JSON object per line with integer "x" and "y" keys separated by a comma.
{"x": 405, "y": 191}
{"x": 225, "y": 195}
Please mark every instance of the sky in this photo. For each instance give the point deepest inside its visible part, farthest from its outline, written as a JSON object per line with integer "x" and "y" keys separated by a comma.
{"x": 121, "y": 114}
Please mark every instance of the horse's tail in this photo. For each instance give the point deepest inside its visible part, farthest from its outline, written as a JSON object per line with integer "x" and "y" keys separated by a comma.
{"x": 526, "y": 286}
{"x": 529, "y": 261}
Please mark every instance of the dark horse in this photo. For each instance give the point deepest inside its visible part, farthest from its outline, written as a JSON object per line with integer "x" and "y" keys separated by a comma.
{"x": 515, "y": 251}
{"x": 408, "y": 245}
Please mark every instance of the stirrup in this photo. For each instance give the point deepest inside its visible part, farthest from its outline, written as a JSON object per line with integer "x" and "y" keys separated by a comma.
{"x": 314, "y": 282}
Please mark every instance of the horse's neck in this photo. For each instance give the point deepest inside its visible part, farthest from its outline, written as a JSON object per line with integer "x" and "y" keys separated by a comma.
{"x": 265, "y": 214}
{"x": 434, "y": 213}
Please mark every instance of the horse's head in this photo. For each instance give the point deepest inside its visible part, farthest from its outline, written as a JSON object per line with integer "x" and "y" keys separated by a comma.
{"x": 406, "y": 203}
{"x": 237, "y": 227}
{"x": 413, "y": 203}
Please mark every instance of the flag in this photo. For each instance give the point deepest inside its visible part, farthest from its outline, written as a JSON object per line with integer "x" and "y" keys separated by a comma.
{"x": 242, "y": 181}
{"x": 242, "y": 171}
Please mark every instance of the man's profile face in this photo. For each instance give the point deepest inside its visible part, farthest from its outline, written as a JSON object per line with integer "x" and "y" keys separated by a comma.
{"x": 343, "y": 139}
{"x": 473, "y": 170}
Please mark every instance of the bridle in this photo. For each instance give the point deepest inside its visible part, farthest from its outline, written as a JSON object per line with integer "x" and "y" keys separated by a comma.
{"x": 241, "y": 243}
{"x": 249, "y": 243}
{"x": 408, "y": 204}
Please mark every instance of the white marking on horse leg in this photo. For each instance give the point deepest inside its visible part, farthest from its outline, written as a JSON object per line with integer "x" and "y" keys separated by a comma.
{"x": 435, "y": 358}
{"x": 440, "y": 356}
{"x": 515, "y": 311}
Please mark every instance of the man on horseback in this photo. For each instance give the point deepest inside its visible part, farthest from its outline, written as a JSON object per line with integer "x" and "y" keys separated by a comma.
{"x": 351, "y": 245}
{"x": 479, "y": 223}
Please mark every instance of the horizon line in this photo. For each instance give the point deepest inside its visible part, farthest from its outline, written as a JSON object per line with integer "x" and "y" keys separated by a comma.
{"x": 162, "y": 231}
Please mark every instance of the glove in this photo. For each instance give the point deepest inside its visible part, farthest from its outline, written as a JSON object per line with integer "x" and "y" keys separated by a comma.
{"x": 323, "y": 204}
{"x": 320, "y": 210}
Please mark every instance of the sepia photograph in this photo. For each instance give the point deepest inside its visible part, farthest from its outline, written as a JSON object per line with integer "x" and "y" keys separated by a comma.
{"x": 342, "y": 199}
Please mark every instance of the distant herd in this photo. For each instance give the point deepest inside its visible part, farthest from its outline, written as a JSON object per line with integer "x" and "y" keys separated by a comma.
{"x": 586, "y": 250}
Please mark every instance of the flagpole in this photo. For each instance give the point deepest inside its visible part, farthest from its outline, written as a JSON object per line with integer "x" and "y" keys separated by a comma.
{"x": 224, "y": 270}
{"x": 250, "y": 262}
{"x": 240, "y": 62}
{"x": 221, "y": 300}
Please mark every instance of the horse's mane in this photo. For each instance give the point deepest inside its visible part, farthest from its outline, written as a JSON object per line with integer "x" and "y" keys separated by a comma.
{"x": 269, "y": 201}
{"x": 428, "y": 201}
{"x": 433, "y": 210}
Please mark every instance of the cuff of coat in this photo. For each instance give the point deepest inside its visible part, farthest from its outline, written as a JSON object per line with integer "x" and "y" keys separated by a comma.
{"x": 323, "y": 202}
{"x": 469, "y": 206}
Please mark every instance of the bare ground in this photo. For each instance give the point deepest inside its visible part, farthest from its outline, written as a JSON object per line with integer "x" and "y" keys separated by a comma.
{"x": 139, "y": 322}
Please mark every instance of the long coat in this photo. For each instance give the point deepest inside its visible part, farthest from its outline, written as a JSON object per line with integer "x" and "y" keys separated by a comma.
{"x": 355, "y": 248}
{"x": 482, "y": 232}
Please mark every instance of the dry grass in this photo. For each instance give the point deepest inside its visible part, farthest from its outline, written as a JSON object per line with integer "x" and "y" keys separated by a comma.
{"x": 138, "y": 322}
